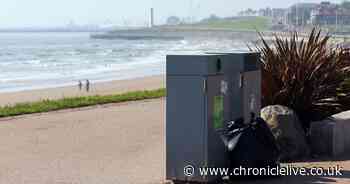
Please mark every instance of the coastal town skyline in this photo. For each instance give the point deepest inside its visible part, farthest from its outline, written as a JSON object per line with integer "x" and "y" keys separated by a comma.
{"x": 19, "y": 13}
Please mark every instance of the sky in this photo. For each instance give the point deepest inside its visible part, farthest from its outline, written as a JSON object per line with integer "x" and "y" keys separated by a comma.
{"x": 51, "y": 13}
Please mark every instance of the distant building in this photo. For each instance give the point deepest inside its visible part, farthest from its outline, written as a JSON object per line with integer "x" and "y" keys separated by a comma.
{"x": 324, "y": 14}
{"x": 343, "y": 16}
{"x": 300, "y": 13}
{"x": 279, "y": 15}
{"x": 330, "y": 14}
{"x": 173, "y": 20}
{"x": 265, "y": 12}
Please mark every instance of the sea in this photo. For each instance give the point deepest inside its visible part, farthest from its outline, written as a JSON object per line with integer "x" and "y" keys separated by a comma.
{"x": 46, "y": 60}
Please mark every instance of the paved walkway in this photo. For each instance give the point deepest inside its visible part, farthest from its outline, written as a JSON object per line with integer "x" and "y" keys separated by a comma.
{"x": 112, "y": 144}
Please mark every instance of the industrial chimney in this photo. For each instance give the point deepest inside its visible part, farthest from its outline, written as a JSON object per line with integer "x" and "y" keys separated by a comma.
{"x": 152, "y": 17}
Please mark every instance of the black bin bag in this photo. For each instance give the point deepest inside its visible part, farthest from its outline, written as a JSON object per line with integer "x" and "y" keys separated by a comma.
{"x": 251, "y": 146}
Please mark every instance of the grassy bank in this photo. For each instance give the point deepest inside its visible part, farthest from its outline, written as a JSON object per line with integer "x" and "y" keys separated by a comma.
{"x": 250, "y": 23}
{"x": 76, "y": 102}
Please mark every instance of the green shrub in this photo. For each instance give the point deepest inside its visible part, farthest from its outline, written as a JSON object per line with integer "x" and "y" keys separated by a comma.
{"x": 307, "y": 74}
{"x": 76, "y": 102}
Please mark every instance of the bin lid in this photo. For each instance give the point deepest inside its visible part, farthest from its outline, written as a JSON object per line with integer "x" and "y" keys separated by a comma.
{"x": 242, "y": 59}
{"x": 194, "y": 64}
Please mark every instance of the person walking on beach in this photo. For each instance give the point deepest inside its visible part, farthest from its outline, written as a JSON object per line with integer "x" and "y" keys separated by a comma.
{"x": 87, "y": 85}
{"x": 80, "y": 85}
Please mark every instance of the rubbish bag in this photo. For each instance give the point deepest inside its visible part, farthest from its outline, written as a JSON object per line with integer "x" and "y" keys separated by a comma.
{"x": 251, "y": 145}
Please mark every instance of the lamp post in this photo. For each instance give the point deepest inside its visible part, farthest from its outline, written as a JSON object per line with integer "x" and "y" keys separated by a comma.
{"x": 336, "y": 19}
{"x": 296, "y": 15}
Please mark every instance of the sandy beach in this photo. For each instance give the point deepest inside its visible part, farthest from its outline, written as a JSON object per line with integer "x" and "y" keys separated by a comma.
{"x": 103, "y": 88}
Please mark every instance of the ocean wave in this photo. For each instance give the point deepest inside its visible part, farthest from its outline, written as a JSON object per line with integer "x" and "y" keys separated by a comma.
{"x": 68, "y": 60}
{"x": 32, "y": 62}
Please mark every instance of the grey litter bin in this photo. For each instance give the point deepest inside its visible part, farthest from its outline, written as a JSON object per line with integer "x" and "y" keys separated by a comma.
{"x": 242, "y": 70}
{"x": 203, "y": 93}
{"x": 197, "y": 107}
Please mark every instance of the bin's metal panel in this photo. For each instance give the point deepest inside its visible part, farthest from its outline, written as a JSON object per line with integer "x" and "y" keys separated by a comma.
{"x": 233, "y": 66}
{"x": 193, "y": 65}
{"x": 216, "y": 150}
{"x": 251, "y": 94}
{"x": 240, "y": 61}
{"x": 242, "y": 70}
{"x": 191, "y": 138}
{"x": 252, "y": 62}
{"x": 184, "y": 126}
{"x": 231, "y": 62}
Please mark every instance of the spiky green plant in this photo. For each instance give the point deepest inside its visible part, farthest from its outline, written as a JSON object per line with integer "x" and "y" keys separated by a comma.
{"x": 307, "y": 74}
